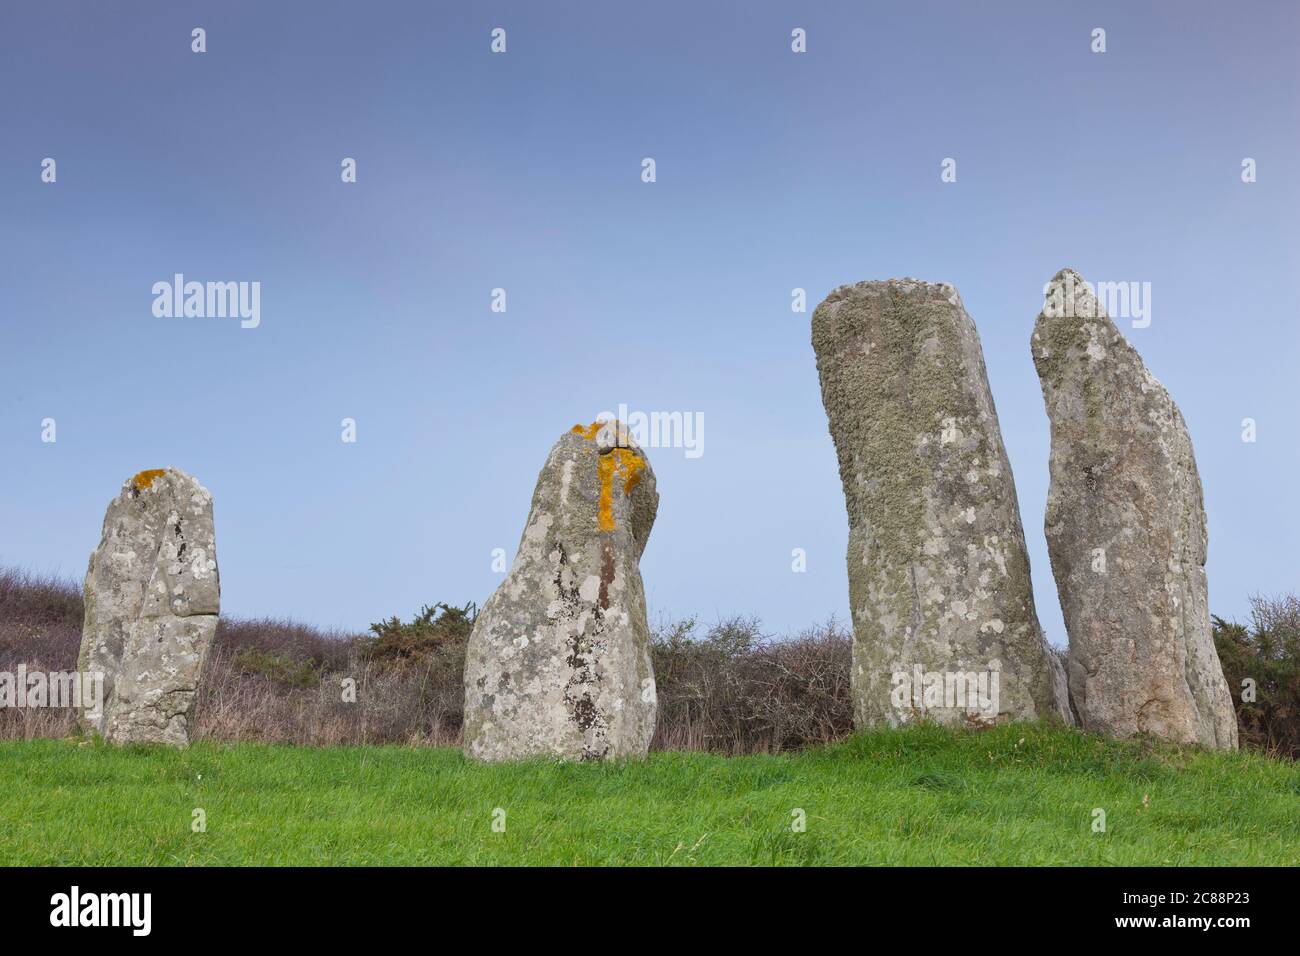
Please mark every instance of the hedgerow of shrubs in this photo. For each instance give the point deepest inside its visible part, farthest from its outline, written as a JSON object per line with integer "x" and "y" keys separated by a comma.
{"x": 726, "y": 687}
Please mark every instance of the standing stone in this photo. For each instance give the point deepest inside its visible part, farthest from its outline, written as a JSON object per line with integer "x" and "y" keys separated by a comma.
{"x": 1126, "y": 533}
{"x": 558, "y": 663}
{"x": 152, "y": 595}
{"x": 938, "y": 573}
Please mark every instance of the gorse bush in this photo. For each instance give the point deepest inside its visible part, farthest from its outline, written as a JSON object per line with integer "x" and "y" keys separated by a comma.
{"x": 1262, "y": 660}
{"x": 439, "y": 631}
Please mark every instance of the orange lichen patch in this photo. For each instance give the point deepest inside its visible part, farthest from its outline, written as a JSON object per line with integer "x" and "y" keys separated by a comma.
{"x": 147, "y": 478}
{"x": 630, "y": 465}
{"x": 620, "y": 460}
{"x": 633, "y": 465}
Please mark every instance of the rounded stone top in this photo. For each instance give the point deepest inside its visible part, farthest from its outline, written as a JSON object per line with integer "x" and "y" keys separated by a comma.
{"x": 1068, "y": 295}
{"x": 1065, "y": 273}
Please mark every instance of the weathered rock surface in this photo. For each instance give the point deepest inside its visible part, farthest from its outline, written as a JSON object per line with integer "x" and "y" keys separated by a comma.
{"x": 152, "y": 598}
{"x": 938, "y": 573}
{"x": 1126, "y": 533}
{"x": 558, "y": 663}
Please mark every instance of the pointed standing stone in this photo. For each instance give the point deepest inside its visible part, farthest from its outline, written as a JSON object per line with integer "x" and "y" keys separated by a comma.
{"x": 938, "y": 573}
{"x": 558, "y": 663}
{"x": 1126, "y": 533}
{"x": 152, "y": 597}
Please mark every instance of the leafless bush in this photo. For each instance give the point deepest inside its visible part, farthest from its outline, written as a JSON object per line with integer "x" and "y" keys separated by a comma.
{"x": 1278, "y": 616}
{"x": 736, "y": 691}
{"x": 40, "y": 621}
{"x": 40, "y": 626}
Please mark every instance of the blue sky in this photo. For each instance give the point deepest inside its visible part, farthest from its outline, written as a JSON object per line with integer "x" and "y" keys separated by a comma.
{"x": 522, "y": 171}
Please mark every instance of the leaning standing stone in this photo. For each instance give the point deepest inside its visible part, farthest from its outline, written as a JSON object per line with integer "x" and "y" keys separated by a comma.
{"x": 943, "y": 611}
{"x": 152, "y": 596}
{"x": 558, "y": 663}
{"x": 1126, "y": 533}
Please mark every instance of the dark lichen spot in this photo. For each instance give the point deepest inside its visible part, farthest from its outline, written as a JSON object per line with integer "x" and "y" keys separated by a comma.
{"x": 606, "y": 574}
{"x": 584, "y": 712}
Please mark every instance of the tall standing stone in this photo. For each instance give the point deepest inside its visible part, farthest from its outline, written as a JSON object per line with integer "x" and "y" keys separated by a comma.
{"x": 152, "y": 598}
{"x": 558, "y": 663}
{"x": 938, "y": 573}
{"x": 1126, "y": 533}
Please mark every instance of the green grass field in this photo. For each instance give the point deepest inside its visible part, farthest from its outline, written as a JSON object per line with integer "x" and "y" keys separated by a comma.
{"x": 1023, "y": 794}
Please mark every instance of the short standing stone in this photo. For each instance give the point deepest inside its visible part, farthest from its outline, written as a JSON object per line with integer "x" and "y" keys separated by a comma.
{"x": 558, "y": 663}
{"x": 1126, "y": 533}
{"x": 152, "y": 598}
{"x": 939, "y": 581}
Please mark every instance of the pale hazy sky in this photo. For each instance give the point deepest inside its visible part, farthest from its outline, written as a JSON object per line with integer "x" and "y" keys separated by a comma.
{"x": 775, "y": 170}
